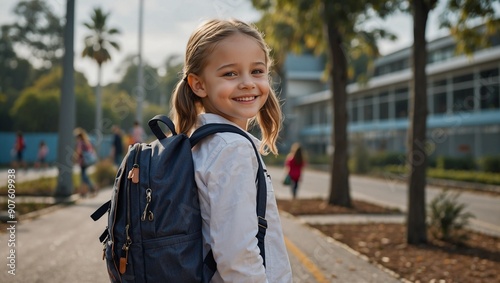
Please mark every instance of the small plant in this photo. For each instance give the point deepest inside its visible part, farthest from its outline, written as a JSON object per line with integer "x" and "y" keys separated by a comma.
{"x": 104, "y": 173}
{"x": 448, "y": 218}
{"x": 360, "y": 160}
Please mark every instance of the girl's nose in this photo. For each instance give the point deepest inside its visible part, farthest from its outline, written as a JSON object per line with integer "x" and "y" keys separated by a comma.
{"x": 246, "y": 83}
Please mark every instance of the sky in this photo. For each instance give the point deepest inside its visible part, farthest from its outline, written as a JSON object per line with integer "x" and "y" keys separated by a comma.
{"x": 167, "y": 25}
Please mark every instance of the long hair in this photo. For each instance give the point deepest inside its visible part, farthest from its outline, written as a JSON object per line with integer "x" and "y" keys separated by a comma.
{"x": 296, "y": 153}
{"x": 187, "y": 106}
{"x": 82, "y": 134}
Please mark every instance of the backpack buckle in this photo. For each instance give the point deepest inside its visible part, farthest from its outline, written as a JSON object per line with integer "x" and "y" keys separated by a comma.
{"x": 262, "y": 222}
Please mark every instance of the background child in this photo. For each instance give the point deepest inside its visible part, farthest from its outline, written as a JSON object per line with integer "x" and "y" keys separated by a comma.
{"x": 83, "y": 144}
{"x": 226, "y": 80}
{"x": 41, "y": 156}
{"x": 19, "y": 148}
{"x": 294, "y": 163}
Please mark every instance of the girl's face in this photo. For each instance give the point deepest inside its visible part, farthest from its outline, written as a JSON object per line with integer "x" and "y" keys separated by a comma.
{"x": 234, "y": 83}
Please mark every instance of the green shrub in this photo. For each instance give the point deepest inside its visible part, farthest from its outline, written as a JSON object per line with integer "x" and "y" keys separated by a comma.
{"x": 431, "y": 162}
{"x": 447, "y": 218}
{"x": 323, "y": 159}
{"x": 455, "y": 163}
{"x": 270, "y": 159}
{"x": 490, "y": 164}
{"x": 456, "y": 175}
{"x": 360, "y": 159}
{"x": 387, "y": 158}
{"x": 104, "y": 173}
{"x": 41, "y": 187}
{"x": 465, "y": 176}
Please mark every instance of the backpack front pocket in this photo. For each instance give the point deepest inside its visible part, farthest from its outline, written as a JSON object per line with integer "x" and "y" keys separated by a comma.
{"x": 173, "y": 258}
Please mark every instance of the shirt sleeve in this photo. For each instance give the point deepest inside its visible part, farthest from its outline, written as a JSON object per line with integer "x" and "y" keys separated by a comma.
{"x": 230, "y": 180}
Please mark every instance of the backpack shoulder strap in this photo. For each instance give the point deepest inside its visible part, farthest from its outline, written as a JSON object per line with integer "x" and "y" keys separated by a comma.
{"x": 210, "y": 129}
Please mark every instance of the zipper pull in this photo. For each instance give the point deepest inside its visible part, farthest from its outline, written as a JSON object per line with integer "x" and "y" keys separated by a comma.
{"x": 147, "y": 212}
{"x": 123, "y": 260}
{"x": 124, "y": 253}
{"x": 134, "y": 174}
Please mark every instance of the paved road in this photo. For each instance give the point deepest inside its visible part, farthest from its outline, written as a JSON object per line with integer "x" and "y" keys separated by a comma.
{"x": 485, "y": 207}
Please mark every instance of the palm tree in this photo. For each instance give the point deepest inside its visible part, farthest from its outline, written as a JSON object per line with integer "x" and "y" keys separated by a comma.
{"x": 97, "y": 46}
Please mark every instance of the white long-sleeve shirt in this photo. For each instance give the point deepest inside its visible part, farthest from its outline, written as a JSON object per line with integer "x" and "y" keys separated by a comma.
{"x": 225, "y": 170}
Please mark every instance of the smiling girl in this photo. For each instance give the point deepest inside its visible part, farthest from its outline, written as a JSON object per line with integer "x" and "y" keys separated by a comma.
{"x": 226, "y": 80}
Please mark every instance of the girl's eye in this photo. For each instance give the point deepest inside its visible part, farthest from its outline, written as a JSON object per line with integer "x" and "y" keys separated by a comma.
{"x": 258, "y": 71}
{"x": 230, "y": 74}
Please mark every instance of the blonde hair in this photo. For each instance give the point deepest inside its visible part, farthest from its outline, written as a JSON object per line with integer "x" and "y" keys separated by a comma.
{"x": 187, "y": 106}
{"x": 81, "y": 133}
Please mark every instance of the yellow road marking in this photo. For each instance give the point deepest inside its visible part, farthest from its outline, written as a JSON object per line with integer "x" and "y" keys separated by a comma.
{"x": 306, "y": 262}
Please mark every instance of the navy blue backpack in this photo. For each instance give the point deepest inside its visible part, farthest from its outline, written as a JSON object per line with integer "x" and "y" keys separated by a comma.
{"x": 154, "y": 221}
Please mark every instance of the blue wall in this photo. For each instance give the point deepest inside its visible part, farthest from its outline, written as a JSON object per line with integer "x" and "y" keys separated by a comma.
{"x": 33, "y": 140}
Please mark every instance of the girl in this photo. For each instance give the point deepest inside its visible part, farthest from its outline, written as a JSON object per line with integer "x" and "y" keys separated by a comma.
{"x": 83, "y": 144}
{"x": 226, "y": 80}
{"x": 294, "y": 162}
{"x": 43, "y": 150}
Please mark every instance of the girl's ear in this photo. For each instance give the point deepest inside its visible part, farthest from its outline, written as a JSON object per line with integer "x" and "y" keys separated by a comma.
{"x": 196, "y": 84}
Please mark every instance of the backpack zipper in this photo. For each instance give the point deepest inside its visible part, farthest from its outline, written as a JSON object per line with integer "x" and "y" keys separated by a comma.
{"x": 133, "y": 174}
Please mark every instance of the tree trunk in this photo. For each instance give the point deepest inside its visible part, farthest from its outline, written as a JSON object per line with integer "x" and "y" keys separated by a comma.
{"x": 67, "y": 110}
{"x": 339, "y": 181}
{"x": 417, "y": 157}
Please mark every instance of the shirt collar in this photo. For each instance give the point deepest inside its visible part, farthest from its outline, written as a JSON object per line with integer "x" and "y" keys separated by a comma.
{"x": 208, "y": 118}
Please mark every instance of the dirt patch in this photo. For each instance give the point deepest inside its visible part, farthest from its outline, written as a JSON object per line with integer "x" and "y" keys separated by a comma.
{"x": 476, "y": 260}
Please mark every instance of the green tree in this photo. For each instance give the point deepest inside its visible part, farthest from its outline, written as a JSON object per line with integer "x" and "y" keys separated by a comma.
{"x": 43, "y": 99}
{"x": 332, "y": 27}
{"x": 15, "y": 73}
{"x": 458, "y": 16}
{"x": 34, "y": 104}
{"x": 97, "y": 47}
{"x": 41, "y": 30}
{"x": 173, "y": 69}
{"x": 151, "y": 80}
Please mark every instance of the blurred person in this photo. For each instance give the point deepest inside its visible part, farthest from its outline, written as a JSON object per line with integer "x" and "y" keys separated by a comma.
{"x": 83, "y": 146}
{"x": 138, "y": 133}
{"x": 18, "y": 151}
{"x": 294, "y": 163}
{"x": 117, "y": 146}
{"x": 41, "y": 156}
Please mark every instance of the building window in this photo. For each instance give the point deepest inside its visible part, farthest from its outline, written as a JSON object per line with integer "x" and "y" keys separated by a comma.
{"x": 384, "y": 106}
{"x": 308, "y": 117}
{"x": 401, "y": 103}
{"x": 463, "y": 100}
{"x": 439, "y": 103}
{"x": 463, "y": 79}
{"x": 353, "y": 110}
{"x": 368, "y": 108}
{"x": 489, "y": 89}
{"x": 463, "y": 93}
{"x": 323, "y": 119}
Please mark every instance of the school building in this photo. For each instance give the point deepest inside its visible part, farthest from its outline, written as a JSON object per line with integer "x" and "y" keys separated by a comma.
{"x": 463, "y": 102}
